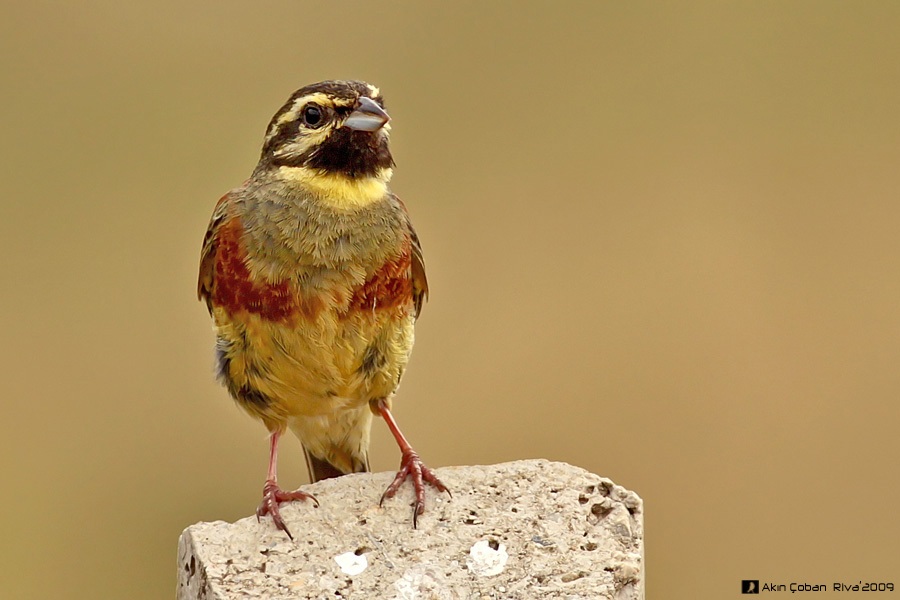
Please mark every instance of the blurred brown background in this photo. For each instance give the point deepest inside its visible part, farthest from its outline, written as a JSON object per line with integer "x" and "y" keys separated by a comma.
{"x": 663, "y": 243}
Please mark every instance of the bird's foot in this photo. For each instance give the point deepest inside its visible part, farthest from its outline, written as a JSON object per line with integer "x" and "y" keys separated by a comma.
{"x": 272, "y": 496}
{"x": 412, "y": 467}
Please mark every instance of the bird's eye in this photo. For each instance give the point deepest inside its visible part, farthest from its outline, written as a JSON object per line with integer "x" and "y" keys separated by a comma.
{"x": 312, "y": 116}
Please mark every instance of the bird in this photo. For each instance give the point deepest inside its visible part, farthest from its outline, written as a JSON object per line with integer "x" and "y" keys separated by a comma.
{"x": 314, "y": 278}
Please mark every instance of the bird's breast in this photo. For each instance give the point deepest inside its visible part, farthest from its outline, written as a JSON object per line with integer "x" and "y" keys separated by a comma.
{"x": 282, "y": 285}
{"x": 313, "y": 309}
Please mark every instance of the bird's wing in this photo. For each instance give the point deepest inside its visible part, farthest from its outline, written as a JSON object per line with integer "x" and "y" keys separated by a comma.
{"x": 206, "y": 279}
{"x": 417, "y": 262}
{"x": 419, "y": 281}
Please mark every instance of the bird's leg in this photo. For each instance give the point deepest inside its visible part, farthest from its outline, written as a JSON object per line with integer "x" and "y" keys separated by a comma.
{"x": 272, "y": 494}
{"x": 411, "y": 466}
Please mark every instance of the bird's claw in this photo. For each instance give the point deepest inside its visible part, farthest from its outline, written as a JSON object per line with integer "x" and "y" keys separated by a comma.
{"x": 272, "y": 496}
{"x": 412, "y": 467}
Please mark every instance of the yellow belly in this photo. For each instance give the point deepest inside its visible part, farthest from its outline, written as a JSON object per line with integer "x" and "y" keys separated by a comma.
{"x": 315, "y": 367}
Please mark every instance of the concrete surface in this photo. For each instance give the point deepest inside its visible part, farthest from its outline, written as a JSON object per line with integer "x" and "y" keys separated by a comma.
{"x": 519, "y": 530}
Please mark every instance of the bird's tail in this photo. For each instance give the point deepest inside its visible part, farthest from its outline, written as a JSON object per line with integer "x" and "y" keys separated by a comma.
{"x": 320, "y": 469}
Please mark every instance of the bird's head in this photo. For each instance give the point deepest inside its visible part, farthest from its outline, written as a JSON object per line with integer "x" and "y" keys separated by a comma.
{"x": 332, "y": 138}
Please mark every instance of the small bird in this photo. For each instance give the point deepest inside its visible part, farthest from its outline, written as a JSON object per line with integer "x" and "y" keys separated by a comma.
{"x": 314, "y": 278}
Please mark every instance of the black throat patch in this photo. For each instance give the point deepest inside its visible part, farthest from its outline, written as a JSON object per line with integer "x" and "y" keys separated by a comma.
{"x": 346, "y": 152}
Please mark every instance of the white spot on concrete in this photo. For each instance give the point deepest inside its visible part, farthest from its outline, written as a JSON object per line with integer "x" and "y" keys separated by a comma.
{"x": 485, "y": 561}
{"x": 351, "y": 563}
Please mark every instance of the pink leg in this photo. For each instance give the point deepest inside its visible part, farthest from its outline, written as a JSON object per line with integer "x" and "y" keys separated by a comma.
{"x": 272, "y": 494}
{"x": 411, "y": 466}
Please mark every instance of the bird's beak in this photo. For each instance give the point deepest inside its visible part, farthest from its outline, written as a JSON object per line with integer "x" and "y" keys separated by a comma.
{"x": 368, "y": 116}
